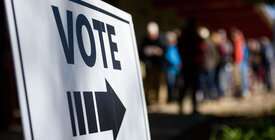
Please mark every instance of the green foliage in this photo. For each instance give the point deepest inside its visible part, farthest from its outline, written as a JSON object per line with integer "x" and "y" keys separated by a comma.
{"x": 264, "y": 129}
{"x": 231, "y": 134}
{"x": 273, "y": 110}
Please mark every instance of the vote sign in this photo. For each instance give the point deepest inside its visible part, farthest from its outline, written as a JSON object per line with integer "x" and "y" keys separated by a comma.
{"x": 77, "y": 70}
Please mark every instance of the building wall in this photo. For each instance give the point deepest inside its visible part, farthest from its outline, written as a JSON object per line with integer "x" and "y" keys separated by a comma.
{"x": 143, "y": 11}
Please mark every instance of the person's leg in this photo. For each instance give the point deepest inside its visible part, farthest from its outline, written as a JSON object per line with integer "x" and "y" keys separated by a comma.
{"x": 147, "y": 85}
{"x": 171, "y": 81}
{"x": 268, "y": 78}
{"x": 227, "y": 77}
{"x": 212, "y": 83}
{"x": 195, "y": 87}
{"x": 203, "y": 83}
{"x": 220, "y": 80}
{"x": 245, "y": 79}
{"x": 183, "y": 89}
{"x": 157, "y": 78}
{"x": 151, "y": 84}
{"x": 237, "y": 80}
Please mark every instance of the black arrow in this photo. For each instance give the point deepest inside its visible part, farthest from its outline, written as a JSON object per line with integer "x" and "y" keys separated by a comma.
{"x": 110, "y": 110}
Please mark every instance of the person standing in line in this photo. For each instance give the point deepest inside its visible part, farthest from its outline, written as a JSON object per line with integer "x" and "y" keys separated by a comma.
{"x": 240, "y": 63}
{"x": 174, "y": 63}
{"x": 268, "y": 53}
{"x": 192, "y": 57}
{"x": 225, "y": 71}
{"x": 152, "y": 53}
{"x": 207, "y": 76}
{"x": 256, "y": 62}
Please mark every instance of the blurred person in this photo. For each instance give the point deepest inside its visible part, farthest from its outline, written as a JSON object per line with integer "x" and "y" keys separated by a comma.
{"x": 225, "y": 63}
{"x": 174, "y": 63}
{"x": 177, "y": 31}
{"x": 209, "y": 62}
{"x": 240, "y": 63}
{"x": 191, "y": 56}
{"x": 219, "y": 57}
{"x": 256, "y": 57}
{"x": 152, "y": 53}
{"x": 268, "y": 52}
{"x": 238, "y": 42}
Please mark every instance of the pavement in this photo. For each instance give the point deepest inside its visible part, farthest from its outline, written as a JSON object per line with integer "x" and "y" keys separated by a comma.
{"x": 253, "y": 105}
{"x": 166, "y": 123}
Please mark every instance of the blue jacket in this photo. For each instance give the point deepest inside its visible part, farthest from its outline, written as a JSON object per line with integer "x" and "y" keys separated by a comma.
{"x": 173, "y": 57}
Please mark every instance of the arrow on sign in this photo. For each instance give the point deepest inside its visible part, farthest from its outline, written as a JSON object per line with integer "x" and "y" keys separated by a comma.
{"x": 110, "y": 109}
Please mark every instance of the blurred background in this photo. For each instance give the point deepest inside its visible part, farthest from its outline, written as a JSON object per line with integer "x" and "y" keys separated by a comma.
{"x": 208, "y": 69}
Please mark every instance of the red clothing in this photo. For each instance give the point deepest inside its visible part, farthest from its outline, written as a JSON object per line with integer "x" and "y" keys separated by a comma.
{"x": 238, "y": 49}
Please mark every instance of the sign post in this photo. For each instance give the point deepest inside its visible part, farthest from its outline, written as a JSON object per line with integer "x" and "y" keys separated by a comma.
{"x": 77, "y": 71}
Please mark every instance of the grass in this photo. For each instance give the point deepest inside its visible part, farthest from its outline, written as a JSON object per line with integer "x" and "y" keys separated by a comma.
{"x": 260, "y": 129}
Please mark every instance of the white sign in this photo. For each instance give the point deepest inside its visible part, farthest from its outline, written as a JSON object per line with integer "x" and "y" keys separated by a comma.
{"x": 77, "y": 71}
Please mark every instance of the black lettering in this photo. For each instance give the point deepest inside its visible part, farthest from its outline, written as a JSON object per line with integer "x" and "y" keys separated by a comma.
{"x": 68, "y": 45}
{"x": 99, "y": 26}
{"x": 83, "y": 21}
{"x": 113, "y": 47}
